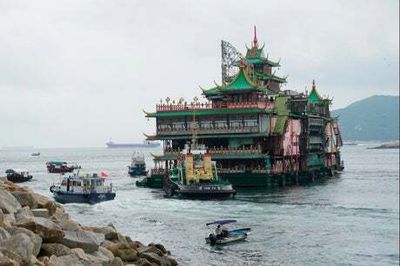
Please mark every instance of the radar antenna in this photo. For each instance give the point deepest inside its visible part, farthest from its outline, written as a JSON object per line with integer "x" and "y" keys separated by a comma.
{"x": 231, "y": 58}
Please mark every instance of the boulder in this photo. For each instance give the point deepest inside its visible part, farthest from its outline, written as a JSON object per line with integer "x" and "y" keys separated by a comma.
{"x": 35, "y": 239}
{"x": 19, "y": 244}
{"x": 8, "y": 204}
{"x": 124, "y": 251}
{"x": 49, "y": 231}
{"x": 67, "y": 225}
{"x": 80, "y": 239}
{"x": 1, "y": 217}
{"x": 40, "y": 213}
{"x": 4, "y": 234}
{"x": 117, "y": 262}
{"x": 11, "y": 255}
{"x": 65, "y": 261}
{"x": 44, "y": 202}
{"x": 150, "y": 249}
{"x": 104, "y": 254}
{"x": 25, "y": 198}
{"x": 6, "y": 261}
{"x": 23, "y": 213}
{"x": 9, "y": 220}
{"x": 154, "y": 258}
{"x": 49, "y": 249}
{"x": 143, "y": 262}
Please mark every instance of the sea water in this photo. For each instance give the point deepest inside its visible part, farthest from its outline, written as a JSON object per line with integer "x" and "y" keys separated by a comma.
{"x": 352, "y": 219}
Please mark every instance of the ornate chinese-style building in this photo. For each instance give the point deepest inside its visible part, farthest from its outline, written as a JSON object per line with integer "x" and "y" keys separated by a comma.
{"x": 259, "y": 134}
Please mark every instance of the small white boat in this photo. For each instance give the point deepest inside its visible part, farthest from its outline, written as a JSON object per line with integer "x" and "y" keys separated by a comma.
{"x": 212, "y": 239}
{"x": 226, "y": 236}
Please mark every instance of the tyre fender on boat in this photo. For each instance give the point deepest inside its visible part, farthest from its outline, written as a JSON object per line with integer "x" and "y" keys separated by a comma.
{"x": 52, "y": 188}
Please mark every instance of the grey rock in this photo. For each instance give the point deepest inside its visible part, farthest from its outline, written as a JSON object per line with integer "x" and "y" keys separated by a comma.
{"x": 150, "y": 249}
{"x": 19, "y": 244}
{"x": 35, "y": 239}
{"x": 157, "y": 259}
{"x": 68, "y": 225}
{"x": 80, "y": 239}
{"x": 41, "y": 213}
{"x": 25, "y": 198}
{"x": 9, "y": 220}
{"x": 4, "y": 234}
{"x": 6, "y": 261}
{"x": 117, "y": 262}
{"x": 8, "y": 257}
{"x": 23, "y": 213}
{"x": 67, "y": 260}
{"x": 49, "y": 249}
{"x": 8, "y": 204}
{"x": 49, "y": 231}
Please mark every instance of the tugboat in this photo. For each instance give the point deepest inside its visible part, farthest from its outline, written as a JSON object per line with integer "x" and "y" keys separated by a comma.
{"x": 195, "y": 175}
{"x": 18, "y": 176}
{"x": 138, "y": 166}
{"x": 89, "y": 188}
{"x": 58, "y": 167}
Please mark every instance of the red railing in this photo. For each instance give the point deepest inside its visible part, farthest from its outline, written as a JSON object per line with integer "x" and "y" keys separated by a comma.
{"x": 218, "y": 105}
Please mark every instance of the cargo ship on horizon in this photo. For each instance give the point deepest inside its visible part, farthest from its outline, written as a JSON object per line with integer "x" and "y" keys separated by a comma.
{"x": 145, "y": 144}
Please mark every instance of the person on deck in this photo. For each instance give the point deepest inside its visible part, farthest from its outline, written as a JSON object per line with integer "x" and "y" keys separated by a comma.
{"x": 218, "y": 231}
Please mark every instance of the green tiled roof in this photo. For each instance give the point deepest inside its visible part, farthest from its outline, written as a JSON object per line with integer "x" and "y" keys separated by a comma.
{"x": 314, "y": 96}
{"x": 205, "y": 112}
{"x": 241, "y": 82}
{"x": 259, "y": 60}
{"x": 270, "y": 77}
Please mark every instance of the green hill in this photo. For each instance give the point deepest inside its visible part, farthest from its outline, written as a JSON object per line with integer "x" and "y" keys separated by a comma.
{"x": 373, "y": 118}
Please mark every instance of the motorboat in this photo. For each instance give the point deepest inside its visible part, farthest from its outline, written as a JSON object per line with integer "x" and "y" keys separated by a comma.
{"x": 79, "y": 188}
{"x": 224, "y": 236}
{"x": 18, "y": 176}
{"x": 60, "y": 167}
{"x": 138, "y": 166}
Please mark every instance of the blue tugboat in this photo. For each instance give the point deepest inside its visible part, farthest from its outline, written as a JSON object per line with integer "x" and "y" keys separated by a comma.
{"x": 89, "y": 188}
{"x": 138, "y": 166}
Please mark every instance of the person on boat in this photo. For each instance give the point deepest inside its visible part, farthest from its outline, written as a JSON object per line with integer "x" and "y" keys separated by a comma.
{"x": 221, "y": 231}
{"x": 218, "y": 231}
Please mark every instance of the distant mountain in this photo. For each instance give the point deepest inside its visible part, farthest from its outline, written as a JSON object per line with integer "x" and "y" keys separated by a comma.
{"x": 373, "y": 118}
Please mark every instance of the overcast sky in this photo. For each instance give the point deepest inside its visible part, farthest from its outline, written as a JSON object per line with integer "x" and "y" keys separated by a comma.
{"x": 76, "y": 73}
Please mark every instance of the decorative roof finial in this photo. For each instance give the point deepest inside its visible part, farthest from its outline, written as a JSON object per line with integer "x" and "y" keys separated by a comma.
{"x": 255, "y": 41}
{"x": 313, "y": 84}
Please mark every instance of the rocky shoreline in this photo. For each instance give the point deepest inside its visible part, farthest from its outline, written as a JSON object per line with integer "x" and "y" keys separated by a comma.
{"x": 35, "y": 230}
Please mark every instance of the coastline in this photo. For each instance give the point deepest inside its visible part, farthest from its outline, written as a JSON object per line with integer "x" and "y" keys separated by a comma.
{"x": 35, "y": 230}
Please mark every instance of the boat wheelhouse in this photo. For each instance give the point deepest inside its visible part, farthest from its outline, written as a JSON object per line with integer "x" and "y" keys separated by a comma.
{"x": 88, "y": 188}
{"x": 259, "y": 134}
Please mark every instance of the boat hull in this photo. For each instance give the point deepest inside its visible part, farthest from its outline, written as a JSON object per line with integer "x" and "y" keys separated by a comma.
{"x": 153, "y": 181}
{"x": 54, "y": 170}
{"x": 91, "y": 198}
{"x": 213, "y": 240}
{"x": 135, "y": 171}
{"x": 204, "y": 195}
{"x": 18, "y": 179}
{"x": 251, "y": 179}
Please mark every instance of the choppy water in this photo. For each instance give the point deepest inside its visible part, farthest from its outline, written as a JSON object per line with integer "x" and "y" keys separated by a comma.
{"x": 351, "y": 220}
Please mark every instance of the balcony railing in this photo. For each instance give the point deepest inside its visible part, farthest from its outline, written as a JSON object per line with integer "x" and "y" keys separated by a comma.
{"x": 218, "y": 105}
{"x": 215, "y": 130}
{"x": 222, "y": 151}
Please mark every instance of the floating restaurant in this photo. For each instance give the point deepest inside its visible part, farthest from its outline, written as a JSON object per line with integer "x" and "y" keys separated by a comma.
{"x": 258, "y": 133}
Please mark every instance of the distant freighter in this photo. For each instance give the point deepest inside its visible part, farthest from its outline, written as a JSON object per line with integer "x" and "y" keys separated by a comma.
{"x": 145, "y": 144}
